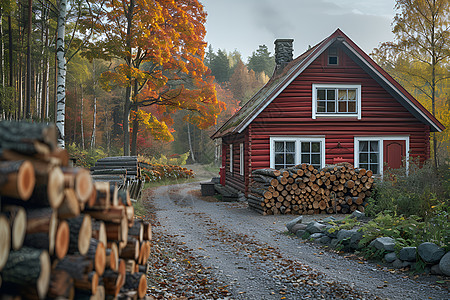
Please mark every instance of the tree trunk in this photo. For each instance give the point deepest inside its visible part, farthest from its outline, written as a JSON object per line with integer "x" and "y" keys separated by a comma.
{"x": 81, "y": 117}
{"x": 94, "y": 117}
{"x": 45, "y": 65}
{"x": 28, "y": 99}
{"x": 190, "y": 143}
{"x": 61, "y": 79}
{"x": 2, "y": 66}
{"x": 134, "y": 136}
{"x": 126, "y": 111}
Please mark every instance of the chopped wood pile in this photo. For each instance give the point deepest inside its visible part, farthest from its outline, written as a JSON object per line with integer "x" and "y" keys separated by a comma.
{"x": 304, "y": 189}
{"x": 61, "y": 234}
{"x": 124, "y": 171}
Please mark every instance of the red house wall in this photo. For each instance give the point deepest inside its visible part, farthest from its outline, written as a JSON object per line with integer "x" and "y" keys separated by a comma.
{"x": 291, "y": 114}
{"x": 235, "y": 179}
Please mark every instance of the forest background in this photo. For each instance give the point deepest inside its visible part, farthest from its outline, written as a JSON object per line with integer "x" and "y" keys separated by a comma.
{"x": 140, "y": 73}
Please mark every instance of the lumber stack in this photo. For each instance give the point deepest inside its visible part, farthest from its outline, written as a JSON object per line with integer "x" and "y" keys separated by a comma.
{"x": 121, "y": 170}
{"x": 61, "y": 234}
{"x": 304, "y": 189}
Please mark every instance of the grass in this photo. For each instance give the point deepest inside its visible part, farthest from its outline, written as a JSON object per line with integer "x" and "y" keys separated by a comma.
{"x": 212, "y": 168}
{"x": 139, "y": 209}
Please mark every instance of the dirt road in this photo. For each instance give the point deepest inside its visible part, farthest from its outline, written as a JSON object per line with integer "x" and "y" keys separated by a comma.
{"x": 251, "y": 257}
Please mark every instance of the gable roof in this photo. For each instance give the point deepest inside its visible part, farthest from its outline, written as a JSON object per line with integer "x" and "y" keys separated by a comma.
{"x": 281, "y": 80}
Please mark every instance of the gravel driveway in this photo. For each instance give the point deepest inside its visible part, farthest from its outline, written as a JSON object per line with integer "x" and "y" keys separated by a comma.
{"x": 251, "y": 257}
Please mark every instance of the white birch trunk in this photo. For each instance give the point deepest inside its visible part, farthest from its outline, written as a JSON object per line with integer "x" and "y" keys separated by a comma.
{"x": 94, "y": 76}
{"x": 61, "y": 76}
{"x": 81, "y": 118}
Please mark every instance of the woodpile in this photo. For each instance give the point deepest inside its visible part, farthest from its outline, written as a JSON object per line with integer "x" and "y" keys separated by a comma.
{"x": 124, "y": 171}
{"x": 304, "y": 189}
{"x": 61, "y": 234}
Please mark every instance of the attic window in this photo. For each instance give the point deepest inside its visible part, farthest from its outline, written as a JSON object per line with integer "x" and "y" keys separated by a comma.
{"x": 336, "y": 100}
{"x": 333, "y": 58}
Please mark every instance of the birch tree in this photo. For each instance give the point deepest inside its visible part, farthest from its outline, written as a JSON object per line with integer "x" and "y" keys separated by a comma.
{"x": 61, "y": 77}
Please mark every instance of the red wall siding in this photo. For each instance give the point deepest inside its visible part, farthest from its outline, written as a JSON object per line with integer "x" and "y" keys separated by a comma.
{"x": 235, "y": 179}
{"x": 291, "y": 114}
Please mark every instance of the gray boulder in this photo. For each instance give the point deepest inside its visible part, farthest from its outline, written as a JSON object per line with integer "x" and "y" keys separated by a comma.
{"x": 390, "y": 257}
{"x": 316, "y": 236}
{"x": 444, "y": 264}
{"x": 315, "y": 227}
{"x": 334, "y": 243}
{"x": 354, "y": 240}
{"x": 329, "y": 219}
{"x": 298, "y": 226}
{"x": 430, "y": 252}
{"x": 290, "y": 224}
{"x": 436, "y": 270}
{"x": 325, "y": 240}
{"x": 408, "y": 254}
{"x": 358, "y": 215}
{"x": 300, "y": 233}
{"x": 400, "y": 264}
{"x": 331, "y": 231}
{"x": 384, "y": 243}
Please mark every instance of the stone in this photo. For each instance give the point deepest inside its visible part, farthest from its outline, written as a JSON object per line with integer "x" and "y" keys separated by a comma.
{"x": 384, "y": 243}
{"x": 345, "y": 235}
{"x": 329, "y": 219}
{"x": 400, "y": 264}
{"x": 325, "y": 240}
{"x": 331, "y": 231}
{"x": 315, "y": 227}
{"x": 316, "y": 236}
{"x": 430, "y": 252}
{"x": 444, "y": 264}
{"x": 290, "y": 224}
{"x": 297, "y": 227}
{"x": 300, "y": 233}
{"x": 355, "y": 239}
{"x": 436, "y": 270}
{"x": 390, "y": 257}
{"x": 334, "y": 243}
{"x": 408, "y": 254}
{"x": 358, "y": 215}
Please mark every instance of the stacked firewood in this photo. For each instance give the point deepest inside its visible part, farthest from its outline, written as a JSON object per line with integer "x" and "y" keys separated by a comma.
{"x": 61, "y": 234}
{"x": 122, "y": 170}
{"x": 304, "y": 189}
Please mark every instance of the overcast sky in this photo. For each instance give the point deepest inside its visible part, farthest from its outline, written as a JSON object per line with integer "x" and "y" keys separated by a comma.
{"x": 245, "y": 24}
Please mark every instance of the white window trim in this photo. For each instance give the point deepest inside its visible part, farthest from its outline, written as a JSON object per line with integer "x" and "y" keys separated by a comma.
{"x": 297, "y": 140}
{"x": 231, "y": 158}
{"x": 316, "y": 86}
{"x": 241, "y": 159}
{"x": 380, "y": 140}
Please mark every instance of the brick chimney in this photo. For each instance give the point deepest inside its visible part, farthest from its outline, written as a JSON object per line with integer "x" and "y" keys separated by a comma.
{"x": 283, "y": 53}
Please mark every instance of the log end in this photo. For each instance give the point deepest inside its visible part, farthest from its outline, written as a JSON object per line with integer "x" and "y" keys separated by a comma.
{"x": 83, "y": 185}
{"x": 142, "y": 288}
{"x": 100, "y": 259}
{"x": 26, "y": 180}
{"x": 85, "y": 234}
{"x": 62, "y": 239}
{"x": 19, "y": 228}
{"x": 55, "y": 187}
{"x": 44, "y": 276}
{"x": 5, "y": 240}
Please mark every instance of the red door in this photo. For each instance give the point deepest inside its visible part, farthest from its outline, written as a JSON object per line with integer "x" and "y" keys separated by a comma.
{"x": 393, "y": 153}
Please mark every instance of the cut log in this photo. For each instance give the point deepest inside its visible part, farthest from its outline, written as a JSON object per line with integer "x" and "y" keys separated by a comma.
{"x": 17, "y": 179}
{"x": 49, "y": 194}
{"x": 124, "y": 197}
{"x": 70, "y": 207}
{"x": 112, "y": 281}
{"x": 99, "y": 231}
{"x": 137, "y": 231}
{"x": 17, "y": 219}
{"x": 147, "y": 231}
{"x": 112, "y": 256}
{"x": 80, "y": 234}
{"x": 135, "y": 282}
{"x": 80, "y": 180}
{"x": 61, "y": 285}
{"x": 97, "y": 254}
{"x": 114, "y": 214}
{"x": 42, "y": 225}
{"x": 102, "y": 198}
{"x": 27, "y": 271}
{"x": 81, "y": 270}
{"x": 267, "y": 172}
{"x": 131, "y": 249}
{"x": 110, "y": 172}
{"x": 5, "y": 240}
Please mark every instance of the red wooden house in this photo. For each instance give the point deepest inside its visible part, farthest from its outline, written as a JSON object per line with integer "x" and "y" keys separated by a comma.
{"x": 332, "y": 103}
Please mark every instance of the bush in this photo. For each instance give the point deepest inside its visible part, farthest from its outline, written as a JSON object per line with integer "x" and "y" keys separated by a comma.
{"x": 174, "y": 159}
{"x": 412, "y": 192}
{"x": 85, "y": 158}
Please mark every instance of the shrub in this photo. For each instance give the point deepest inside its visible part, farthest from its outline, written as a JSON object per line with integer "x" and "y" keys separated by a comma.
{"x": 85, "y": 158}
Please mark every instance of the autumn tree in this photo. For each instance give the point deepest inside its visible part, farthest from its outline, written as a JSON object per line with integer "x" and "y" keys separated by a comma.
{"x": 245, "y": 83}
{"x": 419, "y": 55}
{"x": 162, "y": 48}
{"x": 220, "y": 66}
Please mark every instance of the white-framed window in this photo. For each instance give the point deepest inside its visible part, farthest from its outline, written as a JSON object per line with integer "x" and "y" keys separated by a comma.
{"x": 231, "y": 158}
{"x": 330, "y": 100}
{"x": 293, "y": 150}
{"x": 369, "y": 152}
{"x": 241, "y": 159}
